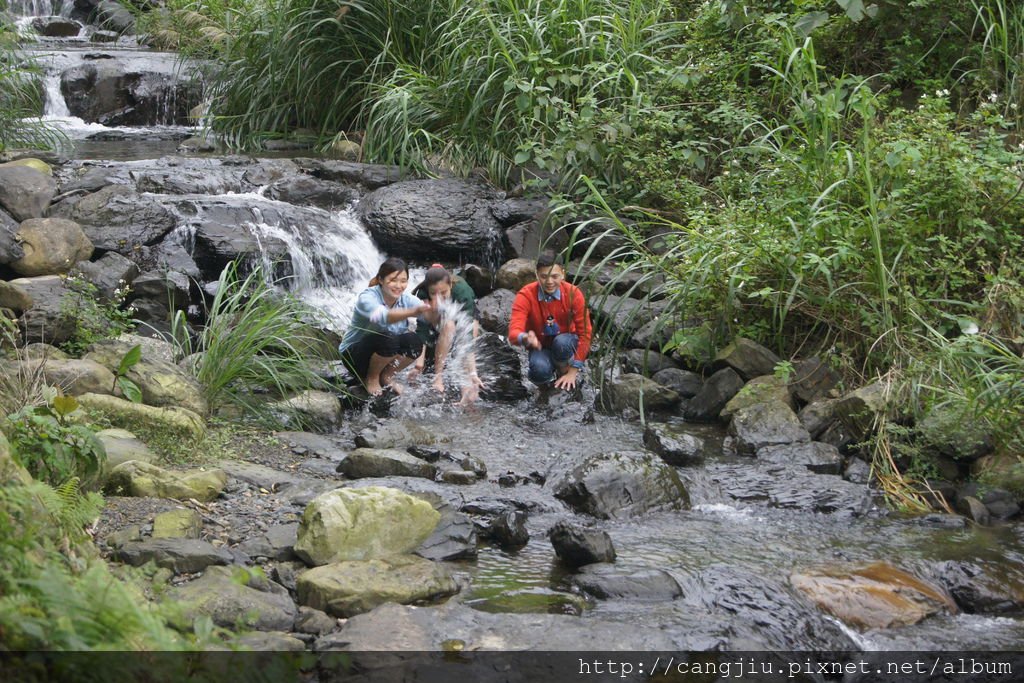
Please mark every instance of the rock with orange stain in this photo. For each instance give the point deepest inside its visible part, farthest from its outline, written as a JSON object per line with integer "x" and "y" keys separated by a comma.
{"x": 876, "y": 596}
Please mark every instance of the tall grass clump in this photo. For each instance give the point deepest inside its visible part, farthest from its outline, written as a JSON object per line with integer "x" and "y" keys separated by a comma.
{"x": 547, "y": 85}
{"x": 255, "y": 343}
{"x": 998, "y": 72}
{"x": 21, "y": 97}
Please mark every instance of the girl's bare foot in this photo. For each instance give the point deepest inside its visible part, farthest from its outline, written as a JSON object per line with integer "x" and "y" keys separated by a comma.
{"x": 396, "y": 387}
{"x": 373, "y": 388}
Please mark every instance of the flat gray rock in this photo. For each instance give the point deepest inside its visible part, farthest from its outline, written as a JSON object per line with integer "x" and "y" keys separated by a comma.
{"x": 183, "y": 555}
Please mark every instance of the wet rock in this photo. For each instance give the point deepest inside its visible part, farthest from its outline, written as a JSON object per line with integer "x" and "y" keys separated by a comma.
{"x": 236, "y": 598}
{"x": 182, "y": 555}
{"x": 395, "y": 434}
{"x": 277, "y": 543}
{"x": 495, "y": 310}
{"x": 983, "y": 587}
{"x": 685, "y": 383}
{"x": 366, "y": 523}
{"x": 761, "y": 611}
{"x": 860, "y": 409}
{"x": 653, "y": 334}
{"x": 384, "y": 462}
{"x": 509, "y": 530}
{"x": 161, "y": 383}
{"x": 635, "y": 391}
{"x": 223, "y": 233}
{"x": 875, "y": 596}
{"x": 449, "y": 218}
{"x": 170, "y": 287}
{"x": 114, "y": 93}
{"x": 532, "y": 601}
{"x": 1000, "y": 503}
{"x": 117, "y": 218}
{"x": 648, "y": 363}
{"x": 675, "y": 447}
{"x": 56, "y": 27}
{"x": 394, "y": 627}
{"x": 50, "y": 246}
{"x": 122, "y": 446}
{"x": 815, "y": 456}
{"x": 606, "y": 582}
{"x": 577, "y": 546}
{"x": 812, "y": 380}
{"x": 103, "y": 36}
{"x": 503, "y": 377}
{"x": 765, "y": 389}
{"x": 312, "y": 409}
{"x": 479, "y": 278}
{"x": 765, "y": 424}
{"x": 25, "y": 192}
{"x": 974, "y": 509}
{"x": 309, "y": 191}
{"x": 604, "y": 277}
{"x": 817, "y": 416}
{"x": 454, "y": 537}
{"x": 140, "y": 479}
{"x": 713, "y": 395}
{"x": 344, "y": 589}
{"x": 370, "y": 176}
{"x": 622, "y": 484}
{"x": 857, "y": 471}
{"x": 516, "y": 274}
{"x": 785, "y": 486}
{"x": 515, "y": 210}
{"x": 746, "y": 357}
{"x": 837, "y": 434}
{"x": 109, "y": 273}
{"x": 179, "y": 523}
{"x": 458, "y": 477}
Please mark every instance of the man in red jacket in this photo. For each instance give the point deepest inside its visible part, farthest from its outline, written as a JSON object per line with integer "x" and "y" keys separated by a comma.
{"x": 550, "y": 318}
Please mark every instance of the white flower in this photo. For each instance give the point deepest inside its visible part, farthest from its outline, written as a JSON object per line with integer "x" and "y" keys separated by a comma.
{"x": 993, "y": 97}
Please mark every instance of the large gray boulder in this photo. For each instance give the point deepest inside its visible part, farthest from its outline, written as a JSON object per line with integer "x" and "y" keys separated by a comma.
{"x": 621, "y": 484}
{"x": 816, "y": 456}
{"x": 25, "y": 192}
{"x": 861, "y": 409}
{"x": 647, "y": 362}
{"x": 313, "y": 409}
{"x": 114, "y": 93}
{"x": 764, "y": 389}
{"x": 73, "y": 377}
{"x": 114, "y": 16}
{"x": 500, "y": 369}
{"x": 746, "y": 357}
{"x": 495, "y": 310}
{"x": 117, "y": 218}
{"x": 235, "y": 597}
{"x": 145, "y": 480}
{"x": 309, "y": 191}
{"x": 765, "y": 424}
{"x": 636, "y": 392}
{"x": 577, "y": 546}
{"x": 56, "y": 27}
{"x": 110, "y": 273}
{"x": 448, "y": 218}
{"x": 14, "y": 297}
{"x": 713, "y": 396}
{"x": 516, "y": 274}
{"x": 608, "y": 582}
{"x": 361, "y": 524}
{"x": 675, "y": 447}
{"x": 50, "y": 246}
{"x": 345, "y": 589}
{"x": 684, "y": 382}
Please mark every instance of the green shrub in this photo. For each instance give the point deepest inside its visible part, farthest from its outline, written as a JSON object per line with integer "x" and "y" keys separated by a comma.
{"x": 94, "y": 318}
{"x": 51, "y": 447}
{"x": 256, "y": 340}
{"x": 21, "y": 97}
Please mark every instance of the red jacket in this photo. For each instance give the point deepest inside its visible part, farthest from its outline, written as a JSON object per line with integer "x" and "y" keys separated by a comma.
{"x": 570, "y": 312}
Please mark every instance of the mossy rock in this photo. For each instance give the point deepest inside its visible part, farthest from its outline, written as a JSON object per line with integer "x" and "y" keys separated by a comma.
{"x": 37, "y": 164}
{"x": 161, "y": 383}
{"x": 144, "y": 480}
{"x": 363, "y": 524}
{"x": 177, "y": 424}
{"x": 533, "y": 601}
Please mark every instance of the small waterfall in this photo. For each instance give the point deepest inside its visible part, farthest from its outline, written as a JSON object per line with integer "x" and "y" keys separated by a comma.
{"x": 329, "y": 267}
{"x": 55, "y": 106}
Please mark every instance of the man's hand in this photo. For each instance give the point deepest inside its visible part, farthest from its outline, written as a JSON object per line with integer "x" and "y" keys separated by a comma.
{"x": 471, "y": 390}
{"x": 438, "y": 383}
{"x": 530, "y": 341}
{"x": 417, "y": 369}
{"x": 568, "y": 380}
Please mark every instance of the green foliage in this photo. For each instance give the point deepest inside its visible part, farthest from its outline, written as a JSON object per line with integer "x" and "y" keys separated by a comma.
{"x": 21, "y": 97}
{"x": 129, "y": 389}
{"x": 53, "y": 448}
{"x": 22, "y": 384}
{"x": 255, "y": 340}
{"x": 94, "y": 317}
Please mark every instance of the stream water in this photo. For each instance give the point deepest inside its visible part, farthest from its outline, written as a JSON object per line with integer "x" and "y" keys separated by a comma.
{"x": 732, "y": 554}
